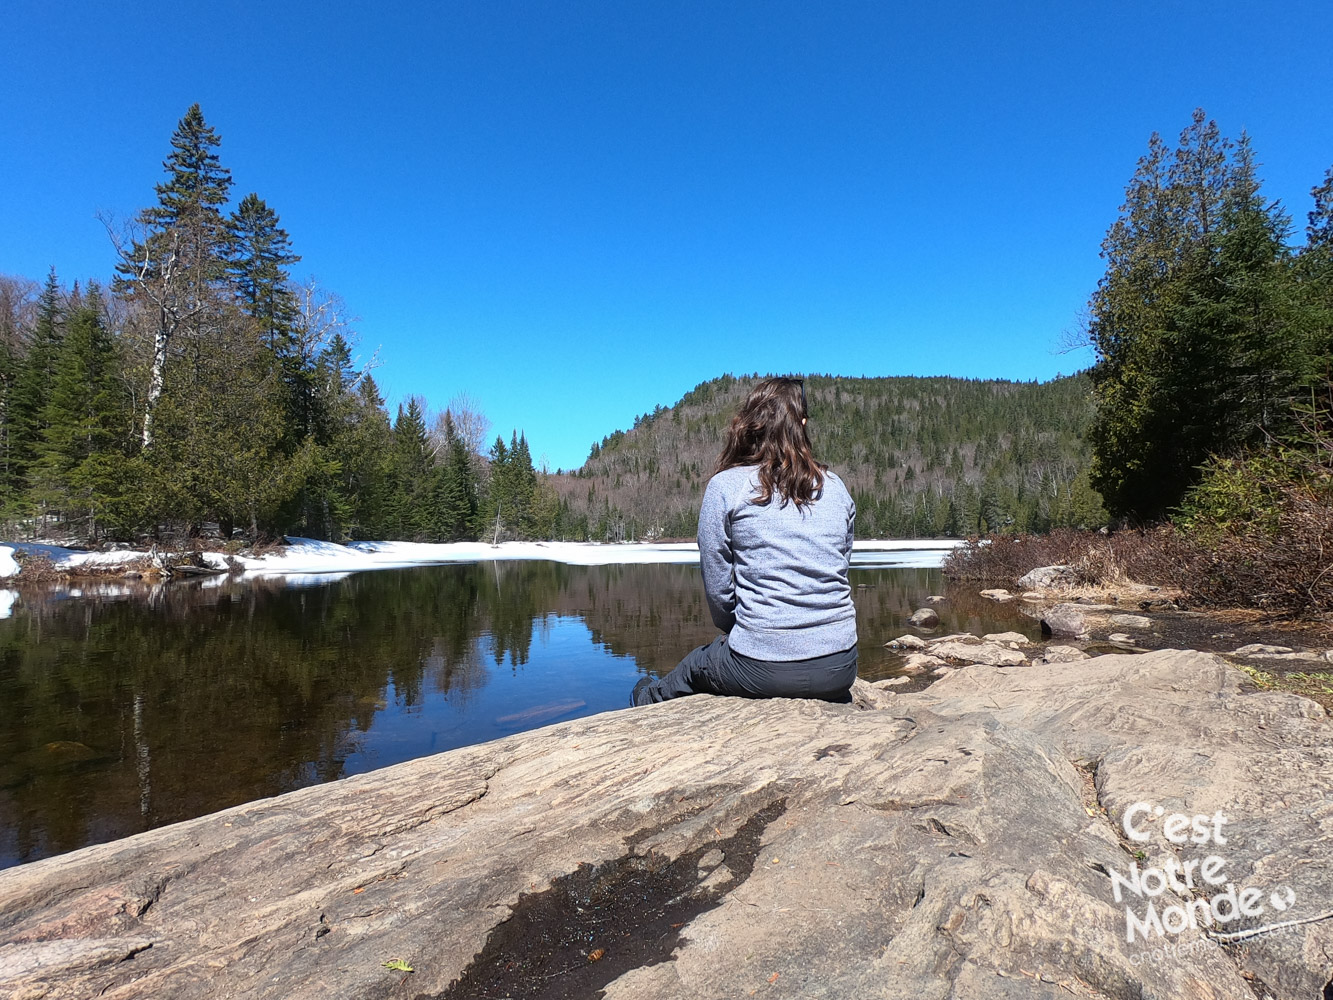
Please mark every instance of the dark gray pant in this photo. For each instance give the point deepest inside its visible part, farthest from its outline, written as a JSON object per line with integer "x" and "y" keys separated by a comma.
{"x": 719, "y": 669}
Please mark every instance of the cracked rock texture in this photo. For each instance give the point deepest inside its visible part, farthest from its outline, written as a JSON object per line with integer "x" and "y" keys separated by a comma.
{"x": 952, "y": 843}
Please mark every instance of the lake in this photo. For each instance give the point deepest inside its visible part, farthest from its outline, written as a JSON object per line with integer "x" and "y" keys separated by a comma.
{"x": 127, "y": 711}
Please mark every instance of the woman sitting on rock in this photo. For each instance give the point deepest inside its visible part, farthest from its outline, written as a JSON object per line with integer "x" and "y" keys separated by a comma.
{"x": 775, "y": 541}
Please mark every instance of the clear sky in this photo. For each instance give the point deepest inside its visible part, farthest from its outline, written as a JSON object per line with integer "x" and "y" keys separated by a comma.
{"x": 576, "y": 210}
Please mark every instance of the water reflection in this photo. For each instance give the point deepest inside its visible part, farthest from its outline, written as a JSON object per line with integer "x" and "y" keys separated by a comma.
{"x": 133, "y": 707}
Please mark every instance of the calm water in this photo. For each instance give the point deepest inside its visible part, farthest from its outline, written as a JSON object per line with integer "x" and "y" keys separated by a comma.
{"x": 119, "y": 713}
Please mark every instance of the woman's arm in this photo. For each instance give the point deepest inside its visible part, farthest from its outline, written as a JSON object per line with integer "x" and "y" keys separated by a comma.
{"x": 716, "y": 560}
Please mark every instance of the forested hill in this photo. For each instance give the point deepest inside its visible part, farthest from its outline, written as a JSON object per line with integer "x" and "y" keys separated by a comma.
{"x": 922, "y": 457}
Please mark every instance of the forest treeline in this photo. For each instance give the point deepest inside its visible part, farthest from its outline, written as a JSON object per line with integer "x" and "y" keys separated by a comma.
{"x": 922, "y": 457}
{"x": 201, "y": 385}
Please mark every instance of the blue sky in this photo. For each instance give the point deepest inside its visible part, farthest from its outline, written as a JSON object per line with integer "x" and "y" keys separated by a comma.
{"x": 574, "y": 211}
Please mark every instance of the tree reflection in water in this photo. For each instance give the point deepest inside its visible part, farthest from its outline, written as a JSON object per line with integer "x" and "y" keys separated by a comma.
{"x": 125, "y": 711}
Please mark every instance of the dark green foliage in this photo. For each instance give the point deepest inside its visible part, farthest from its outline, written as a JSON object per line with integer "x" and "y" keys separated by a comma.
{"x": 260, "y": 255}
{"x": 35, "y": 372}
{"x": 1205, "y": 336}
{"x": 455, "y": 490}
{"x": 81, "y": 470}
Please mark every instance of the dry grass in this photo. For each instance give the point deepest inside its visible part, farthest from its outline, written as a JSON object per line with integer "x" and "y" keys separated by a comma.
{"x": 1316, "y": 687}
{"x": 1113, "y": 562}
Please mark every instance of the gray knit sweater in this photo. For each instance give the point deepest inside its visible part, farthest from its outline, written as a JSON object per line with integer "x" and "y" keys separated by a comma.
{"x": 776, "y": 576}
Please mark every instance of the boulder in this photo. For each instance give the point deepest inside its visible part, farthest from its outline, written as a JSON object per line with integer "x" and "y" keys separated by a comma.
{"x": 997, "y": 594}
{"x": 1063, "y": 619}
{"x": 1131, "y": 621}
{"x": 1060, "y": 654}
{"x": 907, "y": 642}
{"x": 962, "y": 842}
{"x": 1045, "y": 577}
{"x": 924, "y": 618}
{"x": 1260, "y": 649}
{"x": 991, "y": 653}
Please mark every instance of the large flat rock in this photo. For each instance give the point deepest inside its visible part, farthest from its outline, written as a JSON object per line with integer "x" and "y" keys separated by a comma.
{"x": 956, "y": 842}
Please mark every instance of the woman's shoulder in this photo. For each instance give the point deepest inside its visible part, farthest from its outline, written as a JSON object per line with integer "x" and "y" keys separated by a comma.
{"x": 736, "y": 474}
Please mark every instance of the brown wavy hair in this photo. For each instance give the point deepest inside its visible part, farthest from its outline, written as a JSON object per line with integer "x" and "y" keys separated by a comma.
{"x": 767, "y": 432}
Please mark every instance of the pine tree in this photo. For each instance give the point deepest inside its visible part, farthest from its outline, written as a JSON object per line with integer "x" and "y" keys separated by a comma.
{"x": 177, "y": 263}
{"x": 260, "y": 254}
{"x": 455, "y": 500}
{"x": 32, "y": 382}
{"x": 81, "y": 469}
{"x": 413, "y": 498}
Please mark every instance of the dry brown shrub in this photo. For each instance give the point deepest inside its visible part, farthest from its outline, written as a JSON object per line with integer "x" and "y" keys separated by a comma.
{"x": 1149, "y": 556}
{"x": 1289, "y": 571}
{"x": 37, "y": 569}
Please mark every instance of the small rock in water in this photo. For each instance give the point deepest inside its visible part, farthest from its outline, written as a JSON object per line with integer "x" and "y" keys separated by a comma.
{"x": 997, "y": 594}
{"x": 1018, "y": 638}
{"x": 1033, "y": 595}
{"x": 907, "y": 642}
{"x": 893, "y": 681}
{"x": 1131, "y": 621}
{"x": 924, "y": 618}
{"x": 955, "y": 637}
{"x": 1064, "y": 619}
{"x": 1120, "y": 637}
{"x": 540, "y": 713}
{"x": 935, "y": 598}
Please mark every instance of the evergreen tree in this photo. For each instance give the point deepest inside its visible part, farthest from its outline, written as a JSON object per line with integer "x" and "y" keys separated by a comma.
{"x": 455, "y": 501}
{"x": 32, "y": 381}
{"x": 413, "y": 498}
{"x": 260, "y": 256}
{"x": 1198, "y": 345}
{"x": 81, "y": 469}
{"x": 176, "y": 265}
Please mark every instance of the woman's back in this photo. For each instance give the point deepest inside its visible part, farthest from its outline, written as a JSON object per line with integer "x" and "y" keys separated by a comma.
{"x": 777, "y": 572}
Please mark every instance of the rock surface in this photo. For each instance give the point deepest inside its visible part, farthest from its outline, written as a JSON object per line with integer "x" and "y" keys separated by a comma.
{"x": 1045, "y": 577}
{"x": 997, "y": 594}
{"x": 1131, "y": 621}
{"x": 952, "y": 843}
{"x": 1061, "y": 654}
{"x": 991, "y": 653}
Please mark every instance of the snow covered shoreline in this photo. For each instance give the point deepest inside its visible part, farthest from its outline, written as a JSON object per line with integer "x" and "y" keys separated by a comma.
{"x": 305, "y": 556}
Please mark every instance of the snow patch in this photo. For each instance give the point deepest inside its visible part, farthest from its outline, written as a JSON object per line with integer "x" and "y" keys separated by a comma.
{"x": 7, "y": 599}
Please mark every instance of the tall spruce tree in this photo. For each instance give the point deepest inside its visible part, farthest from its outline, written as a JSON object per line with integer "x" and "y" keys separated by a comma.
{"x": 81, "y": 468}
{"x": 32, "y": 382}
{"x": 177, "y": 262}
{"x": 260, "y": 255}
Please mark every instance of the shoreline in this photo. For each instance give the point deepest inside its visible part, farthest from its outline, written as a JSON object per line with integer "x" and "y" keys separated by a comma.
{"x": 305, "y": 556}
